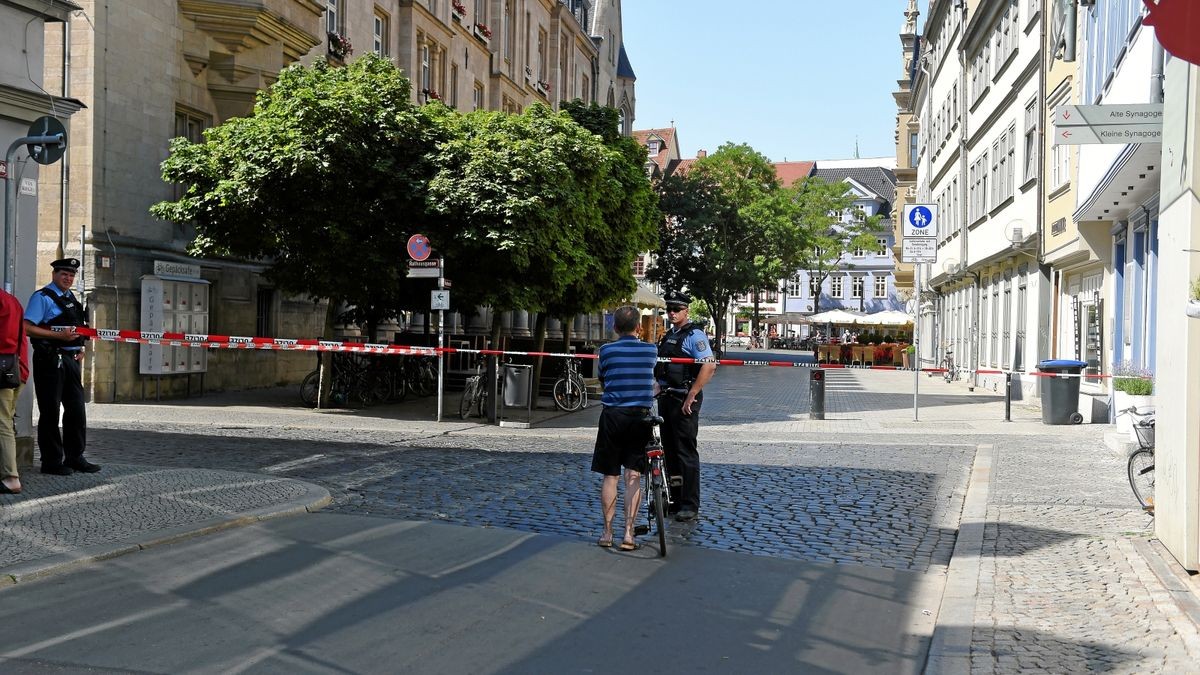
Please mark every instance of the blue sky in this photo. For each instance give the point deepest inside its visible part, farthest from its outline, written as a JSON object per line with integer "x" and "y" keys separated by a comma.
{"x": 795, "y": 79}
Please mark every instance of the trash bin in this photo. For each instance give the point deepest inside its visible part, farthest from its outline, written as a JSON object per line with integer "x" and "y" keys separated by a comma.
{"x": 518, "y": 389}
{"x": 1060, "y": 395}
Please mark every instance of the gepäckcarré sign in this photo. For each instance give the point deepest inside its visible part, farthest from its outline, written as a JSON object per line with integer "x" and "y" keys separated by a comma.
{"x": 920, "y": 221}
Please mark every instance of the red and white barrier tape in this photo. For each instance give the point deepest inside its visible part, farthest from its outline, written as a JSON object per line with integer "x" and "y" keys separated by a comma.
{"x": 286, "y": 344}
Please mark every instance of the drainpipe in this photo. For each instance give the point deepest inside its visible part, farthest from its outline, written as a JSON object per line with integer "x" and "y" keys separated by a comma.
{"x": 963, "y": 189}
{"x": 1157, "y": 62}
{"x": 64, "y": 171}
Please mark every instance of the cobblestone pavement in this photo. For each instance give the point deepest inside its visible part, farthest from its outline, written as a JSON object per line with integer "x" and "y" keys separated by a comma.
{"x": 124, "y": 502}
{"x": 1061, "y": 586}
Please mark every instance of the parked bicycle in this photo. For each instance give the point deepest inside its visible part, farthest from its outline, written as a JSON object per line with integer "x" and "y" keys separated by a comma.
{"x": 420, "y": 374}
{"x": 949, "y": 370}
{"x": 474, "y": 393}
{"x": 357, "y": 379}
{"x": 570, "y": 392}
{"x": 1140, "y": 466}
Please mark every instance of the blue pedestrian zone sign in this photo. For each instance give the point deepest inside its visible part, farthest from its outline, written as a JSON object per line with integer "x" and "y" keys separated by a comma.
{"x": 920, "y": 220}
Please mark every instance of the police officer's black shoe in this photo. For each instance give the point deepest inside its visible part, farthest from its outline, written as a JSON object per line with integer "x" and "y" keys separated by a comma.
{"x": 59, "y": 470}
{"x": 83, "y": 466}
{"x": 686, "y": 515}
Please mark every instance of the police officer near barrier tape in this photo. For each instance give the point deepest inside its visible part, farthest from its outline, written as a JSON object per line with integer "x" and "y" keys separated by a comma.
{"x": 681, "y": 413}
{"x": 57, "y": 371}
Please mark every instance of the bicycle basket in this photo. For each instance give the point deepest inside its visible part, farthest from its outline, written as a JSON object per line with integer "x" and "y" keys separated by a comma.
{"x": 1145, "y": 434}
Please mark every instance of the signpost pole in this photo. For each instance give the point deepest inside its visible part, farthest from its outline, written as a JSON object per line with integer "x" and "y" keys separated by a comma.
{"x": 441, "y": 334}
{"x": 916, "y": 357}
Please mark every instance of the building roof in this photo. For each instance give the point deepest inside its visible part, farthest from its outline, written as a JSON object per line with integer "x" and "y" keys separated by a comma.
{"x": 681, "y": 166}
{"x": 624, "y": 67}
{"x": 667, "y": 150}
{"x": 877, "y": 179}
{"x": 790, "y": 172}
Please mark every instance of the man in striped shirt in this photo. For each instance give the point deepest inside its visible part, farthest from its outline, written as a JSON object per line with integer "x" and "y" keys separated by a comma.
{"x": 626, "y": 370}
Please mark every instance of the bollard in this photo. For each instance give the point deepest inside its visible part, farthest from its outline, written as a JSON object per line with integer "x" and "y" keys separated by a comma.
{"x": 1008, "y": 397}
{"x": 816, "y": 387}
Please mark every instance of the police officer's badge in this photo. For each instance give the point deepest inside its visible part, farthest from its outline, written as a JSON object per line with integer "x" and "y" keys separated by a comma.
{"x": 701, "y": 346}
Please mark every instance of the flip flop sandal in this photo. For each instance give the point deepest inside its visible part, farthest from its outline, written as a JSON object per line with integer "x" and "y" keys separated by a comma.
{"x": 630, "y": 546}
{"x": 604, "y": 543}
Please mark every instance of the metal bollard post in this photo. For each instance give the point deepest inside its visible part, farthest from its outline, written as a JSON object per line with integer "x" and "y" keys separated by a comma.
{"x": 1008, "y": 397}
{"x": 816, "y": 387}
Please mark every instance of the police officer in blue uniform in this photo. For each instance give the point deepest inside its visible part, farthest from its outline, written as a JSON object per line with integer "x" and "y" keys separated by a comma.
{"x": 57, "y": 371}
{"x": 681, "y": 412}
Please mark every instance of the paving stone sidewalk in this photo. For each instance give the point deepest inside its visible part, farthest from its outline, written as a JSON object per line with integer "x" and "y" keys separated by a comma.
{"x": 80, "y": 518}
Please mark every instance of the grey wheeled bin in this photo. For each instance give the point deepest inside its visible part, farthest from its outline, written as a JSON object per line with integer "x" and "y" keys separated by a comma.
{"x": 1060, "y": 395}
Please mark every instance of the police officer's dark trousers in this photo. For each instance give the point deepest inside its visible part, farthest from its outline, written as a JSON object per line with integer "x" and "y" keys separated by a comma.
{"x": 679, "y": 443}
{"x": 57, "y": 380}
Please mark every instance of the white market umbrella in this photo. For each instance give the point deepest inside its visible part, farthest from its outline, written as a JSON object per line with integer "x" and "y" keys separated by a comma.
{"x": 837, "y": 316}
{"x": 890, "y": 317}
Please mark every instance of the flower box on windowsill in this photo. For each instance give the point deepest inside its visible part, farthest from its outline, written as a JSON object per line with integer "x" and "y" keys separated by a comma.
{"x": 482, "y": 32}
{"x": 458, "y": 10}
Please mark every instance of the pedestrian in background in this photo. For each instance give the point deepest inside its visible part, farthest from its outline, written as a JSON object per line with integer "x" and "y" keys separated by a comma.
{"x": 12, "y": 342}
{"x": 626, "y": 371}
{"x": 58, "y": 371}
{"x": 681, "y": 413}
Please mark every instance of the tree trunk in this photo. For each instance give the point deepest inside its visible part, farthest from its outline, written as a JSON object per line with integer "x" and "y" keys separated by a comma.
{"x": 754, "y": 317}
{"x": 539, "y": 344}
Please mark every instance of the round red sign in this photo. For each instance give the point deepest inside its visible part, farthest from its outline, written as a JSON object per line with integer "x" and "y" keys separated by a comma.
{"x": 418, "y": 247}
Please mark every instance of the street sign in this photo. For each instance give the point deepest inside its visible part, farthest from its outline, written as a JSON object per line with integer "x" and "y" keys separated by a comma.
{"x": 439, "y": 300}
{"x": 919, "y": 250}
{"x": 1113, "y": 113}
{"x": 920, "y": 220}
{"x": 1108, "y": 133}
{"x": 418, "y": 247}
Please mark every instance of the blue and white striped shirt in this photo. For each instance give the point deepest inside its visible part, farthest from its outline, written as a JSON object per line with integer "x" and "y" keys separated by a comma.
{"x": 626, "y": 367}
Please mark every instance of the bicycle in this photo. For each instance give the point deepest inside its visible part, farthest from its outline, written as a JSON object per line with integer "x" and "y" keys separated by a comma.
{"x": 570, "y": 392}
{"x": 656, "y": 482}
{"x": 950, "y": 371}
{"x": 1140, "y": 466}
{"x": 474, "y": 394}
{"x": 420, "y": 375}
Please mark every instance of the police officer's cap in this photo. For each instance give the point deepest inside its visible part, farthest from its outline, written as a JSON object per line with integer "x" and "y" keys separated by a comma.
{"x": 677, "y": 299}
{"x": 71, "y": 264}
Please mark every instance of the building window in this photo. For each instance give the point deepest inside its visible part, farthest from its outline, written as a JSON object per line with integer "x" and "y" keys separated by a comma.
{"x": 882, "y": 242}
{"x": 1019, "y": 346}
{"x": 1007, "y": 327}
{"x": 452, "y": 97}
{"x": 189, "y": 125}
{"x": 770, "y": 295}
{"x": 1031, "y": 141}
{"x": 585, "y": 89}
{"x": 859, "y": 252}
{"x": 381, "y": 35}
{"x": 880, "y": 286}
{"x": 856, "y": 286}
{"x": 262, "y": 318}
{"x": 652, "y": 146}
{"x": 542, "y": 46}
{"x": 1107, "y": 30}
{"x": 995, "y": 320}
{"x": 426, "y": 69}
{"x": 912, "y": 149}
{"x": 814, "y": 287}
{"x": 1060, "y": 166}
{"x": 794, "y": 286}
{"x": 481, "y": 15}
{"x": 334, "y": 21}
{"x": 835, "y": 286}
{"x": 639, "y": 266}
{"x": 477, "y": 96}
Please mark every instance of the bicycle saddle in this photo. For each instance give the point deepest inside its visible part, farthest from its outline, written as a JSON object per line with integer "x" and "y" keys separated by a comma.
{"x": 654, "y": 420}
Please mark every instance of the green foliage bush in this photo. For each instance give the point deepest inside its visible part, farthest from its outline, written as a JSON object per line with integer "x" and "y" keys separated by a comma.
{"x": 1133, "y": 380}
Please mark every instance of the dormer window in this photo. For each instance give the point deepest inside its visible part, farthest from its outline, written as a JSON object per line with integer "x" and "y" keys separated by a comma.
{"x": 653, "y": 145}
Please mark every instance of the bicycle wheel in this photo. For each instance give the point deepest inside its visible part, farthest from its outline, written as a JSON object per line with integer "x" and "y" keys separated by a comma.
{"x": 468, "y": 398}
{"x": 310, "y": 387}
{"x": 1141, "y": 476}
{"x": 568, "y": 395}
{"x": 660, "y": 506}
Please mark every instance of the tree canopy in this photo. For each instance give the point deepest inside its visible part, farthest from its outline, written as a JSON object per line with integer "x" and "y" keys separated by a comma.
{"x": 716, "y": 237}
{"x": 335, "y": 168}
{"x": 325, "y": 181}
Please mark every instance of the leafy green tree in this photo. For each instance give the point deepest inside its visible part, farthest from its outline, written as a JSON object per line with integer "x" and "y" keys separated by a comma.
{"x": 516, "y": 200}
{"x": 715, "y": 239}
{"x": 324, "y": 181}
{"x": 819, "y": 224}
